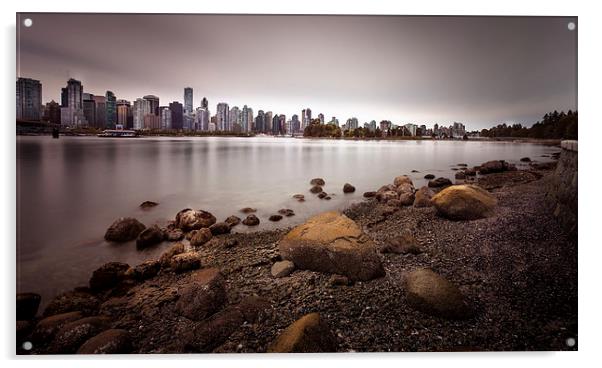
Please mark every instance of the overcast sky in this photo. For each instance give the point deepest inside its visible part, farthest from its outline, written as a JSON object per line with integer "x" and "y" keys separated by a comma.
{"x": 476, "y": 70}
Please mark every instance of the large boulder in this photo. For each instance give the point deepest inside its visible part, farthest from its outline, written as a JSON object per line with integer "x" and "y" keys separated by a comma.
{"x": 430, "y": 293}
{"x": 149, "y": 237}
{"x": 184, "y": 262}
{"x": 79, "y": 299}
{"x": 173, "y": 234}
{"x": 166, "y": 257}
{"x": 189, "y": 219}
{"x": 309, "y": 334}
{"x": 49, "y": 326}
{"x": 124, "y": 229}
{"x": 232, "y": 221}
{"x": 348, "y": 188}
{"x": 282, "y": 269}
{"x": 386, "y": 196}
{"x": 113, "y": 341}
{"x": 108, "y": 275}
{"x": 201, "y": 237}
{"x": 72, "y": 335}
{"x": 423, "y": 197}
{"x": 333, "y": 243}
{"x": 439, "y": 183}
{"x": 27, "y": 305}
{"x": 403, "y": 179}
{"x": 316, "y": 189}
{"x": 406, "y": 198}
{"x": 146, "y": 270}
{"x": 464, "y": 202}
{"x": 203, "y": 294}
{"x": 405, "y": 188}
{"x": 220, "y": 228}
{"x": 251, "y": 220}
{"x": 148, "y": 204}
{"x": 496, "y": 166}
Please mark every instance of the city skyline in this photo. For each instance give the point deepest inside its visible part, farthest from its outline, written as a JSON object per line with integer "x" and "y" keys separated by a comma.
{"x": 423, "y": 70}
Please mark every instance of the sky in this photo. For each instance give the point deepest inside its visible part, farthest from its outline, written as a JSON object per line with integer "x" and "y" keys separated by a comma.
{"x": 480, "y": 71}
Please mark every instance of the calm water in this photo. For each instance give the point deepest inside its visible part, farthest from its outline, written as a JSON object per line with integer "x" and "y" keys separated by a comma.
{"x": 71, "y": 189}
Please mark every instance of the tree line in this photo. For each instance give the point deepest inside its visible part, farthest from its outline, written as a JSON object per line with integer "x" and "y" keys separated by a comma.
{"x": 554, "y": 125}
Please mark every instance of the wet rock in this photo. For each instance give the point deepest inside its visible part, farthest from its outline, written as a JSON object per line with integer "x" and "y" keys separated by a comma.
{"x": 332, "y": 243}
{"x": 286, "y": 212}
{"x": 189, "y": 219}
{"x": 248, "y": 210}
{"x": 460, "y": 175}
{"x": 403, "y": 179}
{"x": 185, "y": 262}
{"x": 232, "y": 221}
{"x": 150, "y": 236}
{"x": 203, "y": 295}
{"x": 544, "y": 165}
{"x": 525, "y": 159}
{"x": 220, "y": 228}
{"x": 464, "y": 202}
{"x": 404, "y": 188}
{"x": 432, "y": 294}
{"x": 328, "y": 198}
{"x": 348, "y": 188}
{"x": 496, "y": 166}
{"x": 173, "y": 234}
{"x": 429, "y": 176}
{"x": 165, "y": 259}
{"x": 462, "y": 165}
{"x": 251, "y": 220}
{"x": 113, "y": 341}
{"x": 27, "y": 305}
{"x": 439, "y": 183}
{"x": 423, "y": 197}
{"x": 124, "y": 229}
{"x": 415, "y": 171}
{"x": 470, "y": 172}
{"x": 275, "y": 218}
{"x": 386, "y": 188}
{"x": 406, "y": 199}
{"x": 369, "y": 194}
{"x": 108, "y": 276}
{"x": 79, "y": 299}
{"x": 406, "y": 243}
{"x": 282, "y": 269}
{"x": 322, "y": 195}
{"x": 317, "y": 181}
{"x": 49, "y": 326}
{"x": 201, "y": 237}
{"x": 73, "y": 334}
{"x": 316, "y": 189}
{"x": 386, "y": 196}
{"x": 146, "y": 270}
{"x": 148, "y": 204}
{"x": 309, "y": 334}
{"x": 299, "y": 197}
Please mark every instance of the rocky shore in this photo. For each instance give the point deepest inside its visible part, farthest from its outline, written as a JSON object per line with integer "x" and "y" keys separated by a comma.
{"x": 481, "y": 265}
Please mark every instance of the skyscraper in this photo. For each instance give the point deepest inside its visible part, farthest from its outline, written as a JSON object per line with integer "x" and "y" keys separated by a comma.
{"x": 204, "y": 103}
{"x": 29, "y": 99}
{"x": 246, "y": 118}
{"x": 111, "y": 109}
{"x": 202, "y": 118}
{"x": 295, "y": 124}
{"x": 165, "y": 117}
{"x": 234, "y": 118}
{"x": 124, "y": 114}
{"x": 153, "y": 103}
{"x": 177, "y": 115}
{"x": 276, "y": 125}
{"x": 141, "y": 108}
{"x": 305, "y": 117}
{"x": 222, "y": 117}
{"x": 89, "y": 107}
{"x": 267, "y": 122}
{"x": 260, "y": 122}
{"x": 72, "y": 112}
{"x": 188, "y": 100}
{"x": 321, "y": 117}
{"x": 52, "y": 112}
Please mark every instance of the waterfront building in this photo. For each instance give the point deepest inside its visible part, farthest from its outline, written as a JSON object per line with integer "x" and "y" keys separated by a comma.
{"x": 321, "y": 118}
{"x": 124, "y": 114}
{"x": 234, "y": 117}
{"x": 177, "y": 115}
{"x": 140, "y": 109}
{"x": 152, "y": 121}
{"x": 29, "y": 99}
{"x": 334, "y": 121}
{"x": 89, "y": 107}
{"x": 153, "y": 104}
{"x": 202, "y": 118}
{"x": 352, "y": 123}
{"x": 246, "y": 119}
{"x": 295, "y": 125}
{"x": 282, "y": 124}
{"x": 204, "y": 103}
{"x": 188, "y": 103}
{"x": 72, "y": 113}
{"x": 305, "y": 117}
{"x": 52, "y": 113}
{"x": 111, "y": 109}
{"x": 100, "y": 120}
{"x": 268, "y": 122}
{"x": 260, "y": 122}
{"x": 165, "y": 117}
{"x": 411, "y": 129}
{"x": 222, "y": 117}
{"x": 276, "y": 125}
{"x": 458, "y": 130}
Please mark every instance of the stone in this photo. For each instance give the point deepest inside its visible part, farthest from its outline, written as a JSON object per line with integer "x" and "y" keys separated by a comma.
{"x": 201, "y": 237}
{"x": 339, "y": 280}
{"x": 394, "y": 203}
{"x": 185, "y": 262}
{"x": 430, "y": 293}
{"x": 150, "y": 236}
{"x": 429, "y": 176}
{"x": 282, "y": 269}
{"x": 403, "y": 179}
{"x": 386, "y": 188}
{"x": 322, "y": 195}
{"x": 108, "y": 276}
{"x": 316, "y": 189}
{"x": 439, "y": 183}
{"x": 460, "y": 175}
{"x": 124, "y": 229}
{"x": 369, "y": 194}
{"x": 299, "y": 196}
{"x": 189, "y": 219}
{"x": 165, "y": 259}
{"x": 232, "y": 221}
{"x": 493, "y": 167}
{"x": 148, "y": 204}
{"x": 79, "y": 299}
{"x": 332, "y": 243}
{"x": 386, "y": 196}
{"x": 27, "y": 305}
{"x": 248, "y": 210}
{"x": 309, "y": 334}
{"x": 113, "y": 341}
{"x": 525, "y": 159}
{"x": 470, "y": 172}
{"x": 328, "y": 198}
{"x": 73, "y": 334}
{"x": 317, "y": 181}
{"x": 404, "y": 188}
{"x": 275, "y": 218}
{"x": 220, "y": 228}
{"x": 173, "y": 234}
{"x": 406, "y": 199}
{"x": 423, "y": 197}
{"x": 286, "y": 212}
{"x": 348, "y": 188}
{"x": 464, "y": 202}
{"x": 230, "y": 243}
{"x": 202, "y": 295}
{"x": 406, "y": 243}
{"x": 49, "y": 326}
{"x": 462, "y": 165}
{"x": 251, "y": 220}
{"x": 146, "y": 270}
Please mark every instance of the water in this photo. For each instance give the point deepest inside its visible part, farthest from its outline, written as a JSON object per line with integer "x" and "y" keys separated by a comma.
{"x": 71, "y": 189}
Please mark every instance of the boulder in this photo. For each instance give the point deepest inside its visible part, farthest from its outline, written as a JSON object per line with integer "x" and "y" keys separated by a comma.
{"x": 248, "y": 210}
{"x": 386, "y": 188}
{"x": 27, "y": 305}
{"x": 232, "y": 221}
{"x": 322, "y": 195}
{"x": 430, "y": 293}
{"x": 49, "y": 326}
{"x": 348, "y": 188}
{"x": 230, "y": 243}
{"x": 150, "y": 236}
{"x": 165, "y": 259}
{"x": 406, "y": 243}
{"x": 439, "y": 183}
{"x": 124, "y": 229}
{"x": 286, "y": 212}
{"x": 309, "y": 334}
{"x": 189, "y": 219}
{"x": 496, "y": 166}
{"x": 404, "y": 188}
{"x": 146, "y": 270}
{"x": 462, "y": 165}
{"x": 317, "y": 181}
{"x": 328, "y": 198}
{"x": 403, "y": 179}
{"x": 185, "y": 262}
{"x": 369, "y": 194}
{"x": 73, "y": 334}
{"x": 108, "y": 276}
{"x": 113, "y": 341}
{"x": 282, "y": 269}
{"x": 423, "y": 197}
{"x": 201, "y": 237}
{"x": 339, "y": 280}
{"x": 316, "y": 189}
{"x": 394, "y": 203}
{"x": 202, "y": 295}
{"x": 173, "y": 234}
{"x": 460, "y": 175}
{"x": 429, "y": 176}
{"x": 275, "y": 218}
{"x": 220, "y": 228}
{"x": 470, "y": 172}
{"x": 464, "y": 202}
{"x": 148, "y": 204}
{"x": 333, "y": 243}
{"x": 79, "y": 299}
{"x": 386, "y": 196}
{"x": 406, "y": 199}
{"x": 251, "y": 220}
{"x": 525, "y": 159}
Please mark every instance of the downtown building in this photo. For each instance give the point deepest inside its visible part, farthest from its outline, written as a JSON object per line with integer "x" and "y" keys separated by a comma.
{"x": 72, "y": 109}
{"x": 165, "y": 117}
{"x": 246, "y": 119}
{"x": 52, "y": 113}
{"x": 111, "y": 102}
{"x": 29, "y": 99}
{"x": 177, "y": 115}
{"x": 222, "y": 118}
{"x": 140, "y": 109}
{"x": 305, "y": 117}
{"x": 259, "y": 122}
{"x": 188, "y": 101}
{"x": 234, "y": 119}
{"x": 125, "y": 117}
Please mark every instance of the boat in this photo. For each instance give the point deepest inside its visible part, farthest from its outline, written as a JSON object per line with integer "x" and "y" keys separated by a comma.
{"x": 118, "y": 133}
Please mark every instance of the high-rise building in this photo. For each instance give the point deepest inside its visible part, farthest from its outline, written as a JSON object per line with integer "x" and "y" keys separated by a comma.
{"x": 101, "y": 112}
{"x": 72, "y": 112}
{"x": 141, "y": 108}
{"x": 153, "y": 103}
{"x": 321, "y": 117}
{"x": 352, "y": 124}
{"x": 276, "y": 125}
{"x": 260, "y": 122}
{"x": 111, "y": 109}
{"x": 246, "y": 119}
{"x": 52, "y": 113}
{"x": 222, "y": 117}
{"x": 152, "y": 121}
{"x": 188, "y": 101}
{"x": 234, "y": 118}
{"x": 89, "y": 107}
{"x": 295, "y": 124}
{"x": 202, "y": 118}
{"x": 177, "y": 115}
{"x": 29, "y": 99}
{"x": 165, "y": 117}
{"x": 305, "y": 117}
{"x": 204, "y": 103}
{"x": 268, "y": 122}
{"x": 124, "y": 114}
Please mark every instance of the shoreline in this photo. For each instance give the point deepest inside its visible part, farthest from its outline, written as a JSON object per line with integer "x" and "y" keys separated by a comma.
{"x": 467, "y": 252}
